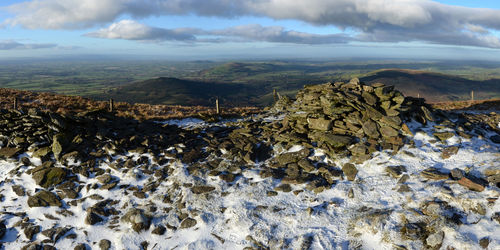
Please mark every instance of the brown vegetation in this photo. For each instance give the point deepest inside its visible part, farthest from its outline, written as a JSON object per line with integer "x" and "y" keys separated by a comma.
{"x": 76, "y": 104}
{"x": 493, "y": 105}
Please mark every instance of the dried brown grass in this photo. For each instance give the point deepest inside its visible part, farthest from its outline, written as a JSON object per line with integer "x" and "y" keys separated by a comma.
{"x": 77, "y": 104}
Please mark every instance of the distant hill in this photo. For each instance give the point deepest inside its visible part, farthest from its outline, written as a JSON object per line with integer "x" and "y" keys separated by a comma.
{"x": 173, "y": 91}
{"x": 435, "y": 87}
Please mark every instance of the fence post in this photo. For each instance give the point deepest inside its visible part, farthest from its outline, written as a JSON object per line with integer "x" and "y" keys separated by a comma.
{"x": 217, "y": 105}
{"x": 111, "y": 105}
{"x": 15, "y": 102}
{"x": 472, "y": 95}
{"x": 275, "y": 95}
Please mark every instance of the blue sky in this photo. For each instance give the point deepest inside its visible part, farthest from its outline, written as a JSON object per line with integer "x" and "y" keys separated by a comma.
{"x": 226, "y": 29}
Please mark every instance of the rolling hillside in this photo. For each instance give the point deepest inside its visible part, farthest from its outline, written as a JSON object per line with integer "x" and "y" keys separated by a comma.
{"x": 435, "y": 87}
{"x": 173, "y": 91}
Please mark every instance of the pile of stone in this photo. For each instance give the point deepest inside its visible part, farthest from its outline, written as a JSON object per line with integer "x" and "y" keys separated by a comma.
{"x": 352, "y": 118}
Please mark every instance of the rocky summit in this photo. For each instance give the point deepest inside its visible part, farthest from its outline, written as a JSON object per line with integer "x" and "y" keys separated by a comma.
{"x": 341, "y": 165}
{"x": 352, "y": 119}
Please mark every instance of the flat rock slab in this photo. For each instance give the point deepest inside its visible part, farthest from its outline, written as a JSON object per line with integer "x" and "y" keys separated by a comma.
{"x": 471, "y": 184}
{"x": 9, "y": 152}
{"x": 434, "y": 174}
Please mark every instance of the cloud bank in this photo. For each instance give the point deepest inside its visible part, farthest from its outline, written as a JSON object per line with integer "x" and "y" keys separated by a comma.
{"x": 132, "y": 30}
{"x": 371, "y": 20}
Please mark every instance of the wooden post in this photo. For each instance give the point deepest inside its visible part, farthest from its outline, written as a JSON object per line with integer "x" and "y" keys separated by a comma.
{"x": 472, "y": 95}
{"x": 15, "y": 102}
{"x": 275, "y": 95}
{"x": 217, "y": 105}
{"x": 111, "y": 105}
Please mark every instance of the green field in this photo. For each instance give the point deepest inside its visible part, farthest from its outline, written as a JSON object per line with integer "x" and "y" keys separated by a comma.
{"x": 248, "y": 82}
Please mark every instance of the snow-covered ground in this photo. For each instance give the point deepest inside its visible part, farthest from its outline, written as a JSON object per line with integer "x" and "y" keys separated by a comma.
{"x": 241, "y": 214}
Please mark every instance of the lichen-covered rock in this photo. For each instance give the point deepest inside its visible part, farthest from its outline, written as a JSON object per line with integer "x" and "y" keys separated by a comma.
{"x": 44, "y": 198}
{"x": 50, "y": 176}
{"x": 350, "y": 171}
{"x": 188, "y": 223}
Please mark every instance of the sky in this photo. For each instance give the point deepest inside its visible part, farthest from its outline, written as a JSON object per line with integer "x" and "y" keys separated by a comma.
{"x": 235, "y": 29}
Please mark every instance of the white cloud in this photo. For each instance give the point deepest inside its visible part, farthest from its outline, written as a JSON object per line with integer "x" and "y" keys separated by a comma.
{"x": 13, "y": 45}
{"x": 377, "y": 20}
{"x": 278, "y": 34}
{"x": 132, "y": 30}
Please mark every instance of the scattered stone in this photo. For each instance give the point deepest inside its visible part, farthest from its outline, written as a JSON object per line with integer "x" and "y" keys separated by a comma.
{"x": 443, "y": 136}
{"x": 484, "y": 242}
{"x": 434, "y": 174}
{"x": 284, "y": 188}
{"x": 44, "y": 198}
{"x": 202, "y": 189}
{"x": 81, "y": 246}
{"x": 31, "y": 231}
{"x": 435, "y": 240}
{"x": 471, "y": 184}
{"x": 404, "y": 188}
{"x": 50, "y": 177}
{"x": 457, "y": 174}
{"x": 350, "y": 171}
{"x": 19, "y": 190}
{"x": 42, "y": 152}
{"x": 448, "y": 152}
{"x": 8, "y": 152}
{"x": 188, "y": 223}
{"x": 159, "y": 230}
{"x": 137, "y": 219}
{"x": 395, "y": 171}
{"x": 272, "y": 193}
{"x": 104, "y": 179}
{"x": 496, "y": 217}
{"x": 494, "y": 179}
{"x": 104, "y": 244}
{"x": 92, "y": 218}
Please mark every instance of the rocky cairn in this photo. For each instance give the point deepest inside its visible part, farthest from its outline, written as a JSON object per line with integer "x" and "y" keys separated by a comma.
{"x": 352, "y": 119}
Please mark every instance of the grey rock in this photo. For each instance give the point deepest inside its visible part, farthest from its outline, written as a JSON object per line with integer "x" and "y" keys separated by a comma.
{"x": 159, "y": 230}
{"x": 92, "y": 218}
{"x": 395, "y": 171}
{"x": 319, "y": 124}
{"x": 188, "y": 223}
{"x": 19, "y": 190}
{"x": 137, "y": 219}
{"x": 350, "y": 171}
{"x": 448, "y": 152}
{"x": 443, "y": 136}
{"x": 435, "y": 239}
{"x": 44, "y": 198}
{"x": 81, "y": 246}
{"x": 104, "y": 244}
{"x": 31, "y": 231}
{"x": 370, "y": 129}
{"x": 457, "y": 174}
{"x": 202, "y": 189}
